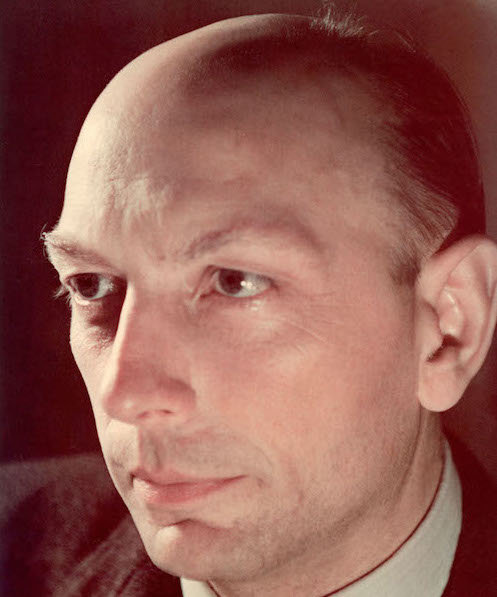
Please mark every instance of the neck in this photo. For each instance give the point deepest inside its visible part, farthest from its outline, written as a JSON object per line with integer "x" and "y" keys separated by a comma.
{"x": 365, "y": 544}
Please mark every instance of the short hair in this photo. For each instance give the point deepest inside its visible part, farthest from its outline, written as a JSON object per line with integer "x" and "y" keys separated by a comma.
{"x": 425, "y": 128}
{"x": 430, "y": 138}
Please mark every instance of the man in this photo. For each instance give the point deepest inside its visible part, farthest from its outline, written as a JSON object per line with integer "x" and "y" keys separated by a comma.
{"x": 271, "y": 240}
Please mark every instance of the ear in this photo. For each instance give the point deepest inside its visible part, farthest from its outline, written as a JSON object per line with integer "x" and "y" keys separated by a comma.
{"x": 456, "y": 300}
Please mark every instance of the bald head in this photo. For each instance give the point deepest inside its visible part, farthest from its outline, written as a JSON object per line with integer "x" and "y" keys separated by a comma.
{"x": 259, "y": 59}
{"x": 329, "y": 76}
{"x": 224, "y": 102}
{"x": 200, "y": 59}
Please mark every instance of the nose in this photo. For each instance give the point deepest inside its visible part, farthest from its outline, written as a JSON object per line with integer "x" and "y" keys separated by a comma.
{"x": 147, "y": 372}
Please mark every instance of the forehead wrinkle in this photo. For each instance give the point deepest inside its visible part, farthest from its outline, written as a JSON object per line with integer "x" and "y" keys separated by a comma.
{"x": 240, "y": 231}
{"x": 131, "y": 201}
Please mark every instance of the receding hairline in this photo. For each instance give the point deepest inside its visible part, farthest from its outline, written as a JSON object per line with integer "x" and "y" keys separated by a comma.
{"x": 212, "y": 58}
{"x": 185, "y": 58}
{"x": 186, "y": 68}
{"x": 161, "y": 71}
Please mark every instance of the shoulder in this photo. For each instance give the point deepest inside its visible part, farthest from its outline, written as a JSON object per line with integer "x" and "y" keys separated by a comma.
{"x": 66, "y": 533}
{"x": 475, "y": 562}
{"x": 67, "y": 482}
{"x": 52, "y": 512}
{"x": 61, "y": 504}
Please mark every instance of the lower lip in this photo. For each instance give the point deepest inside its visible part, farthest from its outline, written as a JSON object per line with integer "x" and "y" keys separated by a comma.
{"x": 177, "y": 493}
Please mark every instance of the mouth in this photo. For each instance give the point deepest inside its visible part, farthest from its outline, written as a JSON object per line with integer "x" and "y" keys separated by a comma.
{"x": 176, "y": 489}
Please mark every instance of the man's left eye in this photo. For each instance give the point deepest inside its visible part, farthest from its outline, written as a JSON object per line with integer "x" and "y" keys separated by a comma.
{"x": 240, "y": 284}
{"x": 91, "y": 287}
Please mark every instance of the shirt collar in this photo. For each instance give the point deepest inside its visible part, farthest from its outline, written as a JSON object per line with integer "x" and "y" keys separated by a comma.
{"x": 422, "y": 564}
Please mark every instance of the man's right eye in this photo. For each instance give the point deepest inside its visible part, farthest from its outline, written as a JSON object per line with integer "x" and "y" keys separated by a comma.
{"x": 91, "y": 287}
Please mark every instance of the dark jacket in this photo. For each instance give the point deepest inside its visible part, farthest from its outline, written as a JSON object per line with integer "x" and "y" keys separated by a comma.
{"x": 66, "y": 533}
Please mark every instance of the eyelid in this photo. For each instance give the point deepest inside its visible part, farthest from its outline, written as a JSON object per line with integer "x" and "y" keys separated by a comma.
{"x": 113, "y": 283}
{"x": 211, "y": 279}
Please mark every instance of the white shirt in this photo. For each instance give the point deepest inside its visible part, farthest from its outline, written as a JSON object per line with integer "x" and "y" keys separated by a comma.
{"x": 420, "y": 567}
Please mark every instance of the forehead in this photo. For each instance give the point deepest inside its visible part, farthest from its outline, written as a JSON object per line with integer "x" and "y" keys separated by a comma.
{"x": 276, "y": 145}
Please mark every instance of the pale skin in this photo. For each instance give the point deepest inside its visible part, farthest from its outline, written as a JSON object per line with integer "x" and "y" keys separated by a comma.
{"x": 240, "y": 326}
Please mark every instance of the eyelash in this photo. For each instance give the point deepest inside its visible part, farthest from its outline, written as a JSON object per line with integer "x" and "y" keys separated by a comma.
{"x": 64, "y": 291}
{"x": 69, "y": 294}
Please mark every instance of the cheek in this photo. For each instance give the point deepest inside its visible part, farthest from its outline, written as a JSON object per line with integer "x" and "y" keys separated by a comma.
{"x": 91, "y": 350}
{"x": 81, "y": 349}
{"x": 317, "y": 375}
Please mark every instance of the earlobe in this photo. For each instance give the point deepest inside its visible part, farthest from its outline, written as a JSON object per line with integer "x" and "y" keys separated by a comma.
{"x": 456, "y": 314}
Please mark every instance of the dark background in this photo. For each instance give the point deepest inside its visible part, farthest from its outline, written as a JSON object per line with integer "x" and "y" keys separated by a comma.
{"x": 56, "y": 56}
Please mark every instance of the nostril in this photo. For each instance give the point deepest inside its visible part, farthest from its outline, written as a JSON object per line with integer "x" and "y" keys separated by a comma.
{"x": 157, "y": 413}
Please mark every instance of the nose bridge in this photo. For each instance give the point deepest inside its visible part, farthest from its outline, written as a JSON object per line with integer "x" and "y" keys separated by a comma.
{"x": 148, "y": 370}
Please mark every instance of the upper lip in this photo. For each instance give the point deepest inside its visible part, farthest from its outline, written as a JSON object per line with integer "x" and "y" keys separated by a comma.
{"x": 171, "y": 477}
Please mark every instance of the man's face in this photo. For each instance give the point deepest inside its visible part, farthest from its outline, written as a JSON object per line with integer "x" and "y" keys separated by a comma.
{"x": 250, "y": 362}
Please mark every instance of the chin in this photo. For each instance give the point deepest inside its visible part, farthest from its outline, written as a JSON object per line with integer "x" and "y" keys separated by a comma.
{"x": 186, "y": 548}
{"x": 197, "y": 551}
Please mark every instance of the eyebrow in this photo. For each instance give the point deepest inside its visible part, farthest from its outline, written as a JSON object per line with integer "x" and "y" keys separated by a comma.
{"x": 55, "y": 243}
{"x": 297, "y": 236}
{"x": 212, "y": 241}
